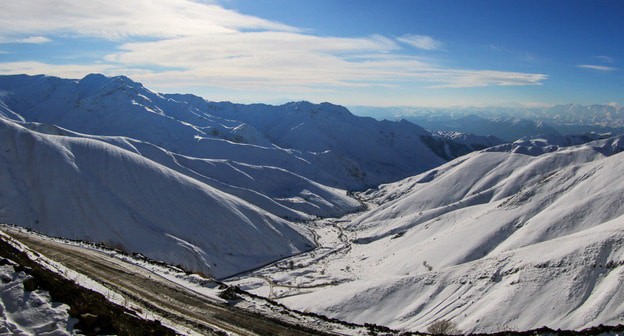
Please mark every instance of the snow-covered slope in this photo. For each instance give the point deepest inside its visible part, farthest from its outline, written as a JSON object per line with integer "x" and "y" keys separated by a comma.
{"x": 492, "y": 241}
{"x": 323, "y": 143}
{"x": 29, "y": 312}
{"x": 477, "y": 142}
{"x": 273, "y": 189}
{"x": 378, "y": 149}
{"x": 87, "y": 189}
{"x": 538, "y": 145}
{"x": 259, "y": 173}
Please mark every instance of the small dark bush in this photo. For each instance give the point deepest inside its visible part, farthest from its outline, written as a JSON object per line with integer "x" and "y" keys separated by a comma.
{"x": 442, "y": 327}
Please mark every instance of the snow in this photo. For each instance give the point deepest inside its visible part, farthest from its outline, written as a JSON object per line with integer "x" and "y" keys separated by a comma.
{"x": 539, "y": 145}
{"x": 199, "y": 183}
{"x": 514, "y": 237}
{"x": 196, "y": 283}
{"x": 492, "y": 241}
{"x": 324, "y": 143}
{"x": 100, "y": 192}
{"x": 29, "y": 312}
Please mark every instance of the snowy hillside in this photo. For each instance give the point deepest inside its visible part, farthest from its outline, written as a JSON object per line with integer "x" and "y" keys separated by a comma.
{"x": 539, "y": 145}
{"x": 83, "y": 188}
{"x": 477, "y": 142}
{"x": 567, "y": 119}
{"x": 378, "y": 150}
{"x": 492, "y": 241}
{"x": 271, "y": 188}
{"x": 323, "y": 143}
{"x": 504, "y": 127}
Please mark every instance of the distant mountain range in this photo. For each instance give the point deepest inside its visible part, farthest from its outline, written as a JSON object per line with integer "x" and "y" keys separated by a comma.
{"x": 509, "y": 123}
{"x": 325, "y": 143}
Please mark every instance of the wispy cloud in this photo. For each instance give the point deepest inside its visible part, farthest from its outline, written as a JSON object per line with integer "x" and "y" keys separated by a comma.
{"x": 33, "y": 40}
{"x": 597, "y": 67}
{"x": 66, "y": 70}
{"x": 421, "y": 42}
{"x": 606, "y": 59}
{"x": 465, "y": 79}
{"x": 119, "y": 19}
{"x": 206, "y": 45}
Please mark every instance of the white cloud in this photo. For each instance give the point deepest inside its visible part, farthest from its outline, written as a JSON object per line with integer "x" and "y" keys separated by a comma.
{"x": 421, "y": 42}
{"x": 199, "y": 44}
{"x": 597, "y": 67}
{"x": 465, "y": 79}
{"x": 114, "y": 19}
{"x": 33, "y": 40}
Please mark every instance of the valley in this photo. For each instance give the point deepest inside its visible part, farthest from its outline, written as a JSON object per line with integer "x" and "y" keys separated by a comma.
{"x": 309, "y": 218}
{"x": 504, "y": 238}
{"x": 297, "y": 167}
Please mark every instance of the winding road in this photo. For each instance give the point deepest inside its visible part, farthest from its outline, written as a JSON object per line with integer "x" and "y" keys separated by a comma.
{"x": 157, "y": 294}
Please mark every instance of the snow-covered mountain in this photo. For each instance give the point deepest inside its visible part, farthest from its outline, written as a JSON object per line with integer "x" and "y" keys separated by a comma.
{"x": 491, "y": 241}
{"x": 323, "y": 143}
{"x": 82, "y": 188}
{"x": 598, "y": 114}
{"x": 567, "y": 119}
{"x": 504, "y": 127}
{"x": 477, "y": 142}
{"x": 200, "y": 183}
{"x": 538, "y": 145}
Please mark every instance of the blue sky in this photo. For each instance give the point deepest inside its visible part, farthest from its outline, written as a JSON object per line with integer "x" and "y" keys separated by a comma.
{"x": 356, "y": 52}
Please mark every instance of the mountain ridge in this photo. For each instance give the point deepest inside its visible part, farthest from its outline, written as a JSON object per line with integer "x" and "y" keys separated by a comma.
{"x": 99, "y": 192}
{"x": 373, "y": 152}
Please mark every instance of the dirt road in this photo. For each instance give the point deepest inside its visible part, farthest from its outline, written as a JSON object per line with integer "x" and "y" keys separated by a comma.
{"x": 156, "y": 294}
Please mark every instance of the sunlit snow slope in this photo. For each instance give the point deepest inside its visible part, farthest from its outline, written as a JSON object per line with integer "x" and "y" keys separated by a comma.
{"x": 492, "y": 241}
{"x": 87, "y": 189}
{"x": 226, "y": 154}
{"x": 324, "y": 143}
{"x": 186, "y": 180}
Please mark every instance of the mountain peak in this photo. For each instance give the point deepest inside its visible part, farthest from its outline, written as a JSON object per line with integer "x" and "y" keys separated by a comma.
{"x": 94, "y": 81}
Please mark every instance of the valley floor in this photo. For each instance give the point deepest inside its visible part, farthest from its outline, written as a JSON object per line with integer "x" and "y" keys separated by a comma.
{"x": 327, "y": 265}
